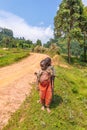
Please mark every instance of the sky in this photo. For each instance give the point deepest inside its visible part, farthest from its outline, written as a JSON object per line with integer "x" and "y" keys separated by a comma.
{"x": 31, "y": 19}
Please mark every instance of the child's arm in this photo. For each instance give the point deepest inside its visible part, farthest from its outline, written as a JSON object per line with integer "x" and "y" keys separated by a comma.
{"x": 37, "y": 81}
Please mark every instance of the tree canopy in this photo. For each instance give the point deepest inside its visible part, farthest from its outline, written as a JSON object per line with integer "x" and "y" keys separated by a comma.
{"x": 68, "y": 20}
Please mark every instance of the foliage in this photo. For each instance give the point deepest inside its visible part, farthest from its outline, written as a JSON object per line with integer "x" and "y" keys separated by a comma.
{"x": 38, "y": 43}
{"x": 83, "y": 26}
{"x": 7, "y": 40}
{"x": 67, "y": 20}
{"x": 5, "y": 32}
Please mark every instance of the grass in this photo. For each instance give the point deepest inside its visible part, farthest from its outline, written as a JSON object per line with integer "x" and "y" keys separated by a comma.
{"x": 74, "y": 61}
{"x": 68, "y": 109}
{"x": 11, "y": 56}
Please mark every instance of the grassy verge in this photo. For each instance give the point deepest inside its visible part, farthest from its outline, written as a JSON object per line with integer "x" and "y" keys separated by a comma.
{"x": 12, "y": 55}
{"x": 68, "y": 109}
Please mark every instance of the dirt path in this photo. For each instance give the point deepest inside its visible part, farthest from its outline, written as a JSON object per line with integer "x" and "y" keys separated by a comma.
{"x": 15, "y": 85}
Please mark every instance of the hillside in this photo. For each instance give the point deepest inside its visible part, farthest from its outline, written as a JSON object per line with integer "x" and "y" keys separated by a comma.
{"x": 68, "y": 109}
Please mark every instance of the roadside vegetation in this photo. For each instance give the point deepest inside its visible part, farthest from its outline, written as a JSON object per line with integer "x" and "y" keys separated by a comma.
{"x": 9, "y": 56}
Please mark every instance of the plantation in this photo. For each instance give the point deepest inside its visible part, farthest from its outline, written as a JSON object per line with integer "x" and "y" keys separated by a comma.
{"x": 68, "y": 109}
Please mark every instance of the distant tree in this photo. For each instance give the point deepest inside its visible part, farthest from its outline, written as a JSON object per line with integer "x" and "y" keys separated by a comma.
{"x": 47, "y": 44}
{"x": 5, "y": 37}
{"x": 6, "y": 41}
{"x": 66, "y": 21}
{"x": 83, "y": 26}
{"x": 29, "y": 42}
{"x": 13, "y": 43}
{"x": 38, "y": 42}
{"x": 76, "y": 49}
{"x": 7, "y": 32}
{"x": 50, "y": 42}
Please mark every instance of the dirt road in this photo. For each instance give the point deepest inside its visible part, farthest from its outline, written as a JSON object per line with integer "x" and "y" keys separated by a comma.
{"x": 15, "y": 84}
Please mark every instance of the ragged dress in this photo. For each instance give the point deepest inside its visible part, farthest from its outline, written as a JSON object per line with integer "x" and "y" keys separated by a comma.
{"x": 45, "y": 87}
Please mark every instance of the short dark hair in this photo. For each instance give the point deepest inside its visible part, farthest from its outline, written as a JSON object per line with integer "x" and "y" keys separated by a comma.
{"x": 45, "y": 63}
{"x": 48, "y": 61}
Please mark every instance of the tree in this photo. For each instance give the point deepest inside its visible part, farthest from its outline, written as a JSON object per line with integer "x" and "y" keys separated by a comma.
{"x": 6, "y": 32}
{"x": 66, "y": 21}
{"x": 38, "y": 42}
{"x": 6, "y": 41}
{"x": 83, "y": 26}
{"x": 29, "y": 42}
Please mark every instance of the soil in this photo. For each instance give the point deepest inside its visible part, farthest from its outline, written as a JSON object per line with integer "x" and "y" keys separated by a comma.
{"x": 16, "y": 83}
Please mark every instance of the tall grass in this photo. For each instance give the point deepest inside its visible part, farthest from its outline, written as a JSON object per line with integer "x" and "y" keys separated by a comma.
{"x": 68, "y": 108}
{"x": 12, "y": 55}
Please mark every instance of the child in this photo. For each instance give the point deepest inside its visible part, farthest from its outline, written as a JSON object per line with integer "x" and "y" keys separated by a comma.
{"x": 45, "y": 84}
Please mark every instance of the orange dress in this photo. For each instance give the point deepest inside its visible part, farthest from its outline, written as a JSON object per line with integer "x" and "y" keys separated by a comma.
{"x": 45, "y": 93}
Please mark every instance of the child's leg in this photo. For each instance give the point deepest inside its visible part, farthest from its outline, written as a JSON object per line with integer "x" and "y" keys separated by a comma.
{"x": 42, "y": 99}
{"x": 48, "y": 100}
{"x": 43, "y": 92}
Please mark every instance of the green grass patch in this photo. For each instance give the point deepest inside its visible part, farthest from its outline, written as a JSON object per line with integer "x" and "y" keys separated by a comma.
{"x": 68, "y": 109}
{"x": 12, "y": 55}
{"x": 76, "y": 62}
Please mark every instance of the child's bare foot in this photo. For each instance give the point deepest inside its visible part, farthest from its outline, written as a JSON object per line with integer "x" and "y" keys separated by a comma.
{"x": 42, "y": 108}
{"x": 48, "y": 110}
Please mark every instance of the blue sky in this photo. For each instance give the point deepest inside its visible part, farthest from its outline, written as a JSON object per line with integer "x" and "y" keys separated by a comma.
{"x": 32, "y": 19}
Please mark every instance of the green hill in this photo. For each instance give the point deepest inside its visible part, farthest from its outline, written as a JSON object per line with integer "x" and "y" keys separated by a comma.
{"x": 68, "y": 109}
{"x": 5, "y": 32}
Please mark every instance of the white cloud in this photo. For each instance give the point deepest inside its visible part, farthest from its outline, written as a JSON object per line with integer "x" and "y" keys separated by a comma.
{"x": 41, "y": 23}
{"x": 84, "y": 2}
{"x": 21, "y": 29}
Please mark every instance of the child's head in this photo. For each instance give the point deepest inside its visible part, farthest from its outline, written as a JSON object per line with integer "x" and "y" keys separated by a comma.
{"x": 43, "y": 65}
{"x": 48, "y": 61}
